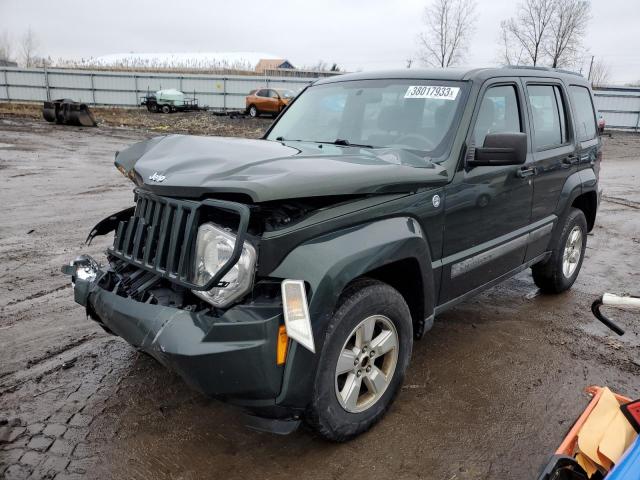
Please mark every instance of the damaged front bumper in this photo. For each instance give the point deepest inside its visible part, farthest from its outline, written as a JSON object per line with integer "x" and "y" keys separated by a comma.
{"x": 231, "y": 355}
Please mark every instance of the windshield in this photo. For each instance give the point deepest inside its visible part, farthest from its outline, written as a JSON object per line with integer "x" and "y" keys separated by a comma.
{"x": 411, "y": 114}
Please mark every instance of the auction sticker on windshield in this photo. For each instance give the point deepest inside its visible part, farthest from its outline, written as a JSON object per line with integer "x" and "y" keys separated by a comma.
{"x": 423, "y": 91}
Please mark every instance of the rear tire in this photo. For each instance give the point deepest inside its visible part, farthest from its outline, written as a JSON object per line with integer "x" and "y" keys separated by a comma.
{"x": 166, "y": 109}
{"x": 253, "y": 111}
{"x": 560, "y": 271}
{"x": 354, "y": 387}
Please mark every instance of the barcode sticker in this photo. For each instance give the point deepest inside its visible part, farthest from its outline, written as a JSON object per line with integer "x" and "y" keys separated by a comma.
{"x": 423, "y": 91}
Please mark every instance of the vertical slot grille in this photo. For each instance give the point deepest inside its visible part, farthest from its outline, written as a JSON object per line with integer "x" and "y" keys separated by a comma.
{"x": 159, "y": 236}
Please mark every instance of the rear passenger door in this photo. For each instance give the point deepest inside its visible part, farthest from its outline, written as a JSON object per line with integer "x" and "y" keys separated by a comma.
{"x": 586, "y": 128}
{"x": 554, "y": 154}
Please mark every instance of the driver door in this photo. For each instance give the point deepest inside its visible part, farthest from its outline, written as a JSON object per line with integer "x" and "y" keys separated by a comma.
{"x": 487, "y": 208}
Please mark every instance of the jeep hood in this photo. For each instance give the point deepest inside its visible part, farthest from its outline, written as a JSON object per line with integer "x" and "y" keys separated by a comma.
{"x": 193, "y": 166}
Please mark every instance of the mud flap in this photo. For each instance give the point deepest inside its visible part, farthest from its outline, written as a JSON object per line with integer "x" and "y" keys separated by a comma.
{"x": 271, "y": 425}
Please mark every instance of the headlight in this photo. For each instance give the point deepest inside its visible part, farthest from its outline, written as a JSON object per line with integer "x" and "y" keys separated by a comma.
{"x": 214, "y": 247}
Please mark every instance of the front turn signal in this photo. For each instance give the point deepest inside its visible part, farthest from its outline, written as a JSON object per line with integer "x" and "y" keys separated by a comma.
{"x": 283, "y": 343}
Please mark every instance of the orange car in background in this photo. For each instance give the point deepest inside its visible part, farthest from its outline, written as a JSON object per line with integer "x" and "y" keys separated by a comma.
{"x": 267, "y": 100}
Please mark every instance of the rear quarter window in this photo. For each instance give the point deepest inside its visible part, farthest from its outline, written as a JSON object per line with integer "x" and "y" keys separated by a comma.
{"x": 585, "y": 114}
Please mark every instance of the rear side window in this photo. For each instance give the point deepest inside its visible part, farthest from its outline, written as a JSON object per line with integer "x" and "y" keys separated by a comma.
{"x": 263, "y": 93}
{"x": 585, "y": 114}
{"x": 549, "y": 116}
{"x": 499, "y": 113}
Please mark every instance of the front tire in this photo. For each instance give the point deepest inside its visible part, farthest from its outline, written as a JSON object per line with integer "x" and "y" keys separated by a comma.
{"x": 365, "y": 355}
{"x": 560, "y": 271}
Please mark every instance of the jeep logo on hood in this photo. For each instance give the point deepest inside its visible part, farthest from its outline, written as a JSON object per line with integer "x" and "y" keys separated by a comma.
{"x": 156, "y": 177}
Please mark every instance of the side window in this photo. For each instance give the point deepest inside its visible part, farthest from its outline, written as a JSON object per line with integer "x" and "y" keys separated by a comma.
{"x": 262, "y": 93}
{"x": 585, "y": 114}
{"x": 499, "y": 113}
{"x": 549, "y": 116}
{"x": 273, "y": 94}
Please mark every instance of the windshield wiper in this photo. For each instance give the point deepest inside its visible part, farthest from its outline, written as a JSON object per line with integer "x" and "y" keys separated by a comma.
{"x": 347, "y": 143}
{"x": 340, "y": 141}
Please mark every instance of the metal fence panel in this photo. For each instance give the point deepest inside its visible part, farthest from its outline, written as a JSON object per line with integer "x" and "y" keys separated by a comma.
{"x": 23, "y": 78}
{"x": 112, "y": 82}
{"x": 620, "y": 107}
{"x": 61, "y": 80}
{"x": 116, "y": 98}
{"x": 32, "y": 94}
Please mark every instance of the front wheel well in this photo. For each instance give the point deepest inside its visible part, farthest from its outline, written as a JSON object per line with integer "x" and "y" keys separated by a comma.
{"x": 406, "y": 278}
{"x": 588, "y": 203}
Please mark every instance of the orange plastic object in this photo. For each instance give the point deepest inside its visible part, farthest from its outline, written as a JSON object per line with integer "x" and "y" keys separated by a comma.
{"x": 568, "y": 445}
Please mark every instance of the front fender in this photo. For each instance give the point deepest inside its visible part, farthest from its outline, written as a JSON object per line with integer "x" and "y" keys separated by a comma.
{"x": 328, "y": 263}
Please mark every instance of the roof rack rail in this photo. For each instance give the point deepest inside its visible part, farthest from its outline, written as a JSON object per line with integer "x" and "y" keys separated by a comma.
{"x": 547, "y": 69}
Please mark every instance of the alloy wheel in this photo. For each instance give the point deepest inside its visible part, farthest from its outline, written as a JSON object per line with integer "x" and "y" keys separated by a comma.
{"x": 572, "y": 252}
{"x": 366, "y": 363}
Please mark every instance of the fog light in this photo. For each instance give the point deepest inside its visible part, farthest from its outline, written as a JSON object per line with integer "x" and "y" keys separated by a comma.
{"x": 296, "y": 313}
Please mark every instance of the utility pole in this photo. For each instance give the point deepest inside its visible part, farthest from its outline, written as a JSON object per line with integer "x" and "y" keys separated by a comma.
{"x": 590, "y": 67}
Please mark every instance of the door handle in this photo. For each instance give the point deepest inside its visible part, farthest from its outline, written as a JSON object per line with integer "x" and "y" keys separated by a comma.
{"x": 526, "y": 172}
{"x": 570, "y": 160}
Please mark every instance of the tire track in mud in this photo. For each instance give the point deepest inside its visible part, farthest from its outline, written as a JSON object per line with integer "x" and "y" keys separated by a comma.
{"x": 622, "y": 201}
{"x": 39, "y": 294}
{"x": 53, "y": 360}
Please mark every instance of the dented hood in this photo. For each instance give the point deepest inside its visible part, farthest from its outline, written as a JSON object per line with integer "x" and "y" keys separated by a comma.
{"x": 192, "y": 166}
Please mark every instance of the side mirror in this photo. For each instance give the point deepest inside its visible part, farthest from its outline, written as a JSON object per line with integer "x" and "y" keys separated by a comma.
{"x": 501, "y": 149}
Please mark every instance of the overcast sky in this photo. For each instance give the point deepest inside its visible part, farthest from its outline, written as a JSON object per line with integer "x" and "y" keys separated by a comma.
{"x": 357, "y": 34}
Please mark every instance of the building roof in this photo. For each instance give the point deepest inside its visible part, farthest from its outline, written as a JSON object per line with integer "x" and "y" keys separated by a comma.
{"x": 272, "y": 64}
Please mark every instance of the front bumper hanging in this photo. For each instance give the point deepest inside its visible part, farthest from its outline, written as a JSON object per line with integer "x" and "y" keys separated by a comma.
{"x": 230, "y": 356}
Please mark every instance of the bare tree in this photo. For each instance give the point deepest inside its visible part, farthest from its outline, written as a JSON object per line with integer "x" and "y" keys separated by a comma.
{"x": 567, "y": 29}
{"x": 530, "y": 28}
{"x": 29, "y": 47}
{"x": 510, "y": 53}
{"x": 450, "y": 24}
{"x": 5, "y": 46}
{"x": 599, "y": 73}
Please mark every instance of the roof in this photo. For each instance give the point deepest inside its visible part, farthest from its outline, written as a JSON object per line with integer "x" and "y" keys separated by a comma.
{"x": 479, "y": 74}
{"x": 272, "y": 64}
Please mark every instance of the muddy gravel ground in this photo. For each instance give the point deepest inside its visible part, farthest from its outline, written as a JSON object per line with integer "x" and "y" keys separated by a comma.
{"x": 196, "y": 123}
{"x": 490, "y": 392}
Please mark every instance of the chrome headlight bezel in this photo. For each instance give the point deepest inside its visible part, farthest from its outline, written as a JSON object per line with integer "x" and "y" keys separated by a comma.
{"x": 214, "y": 246}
